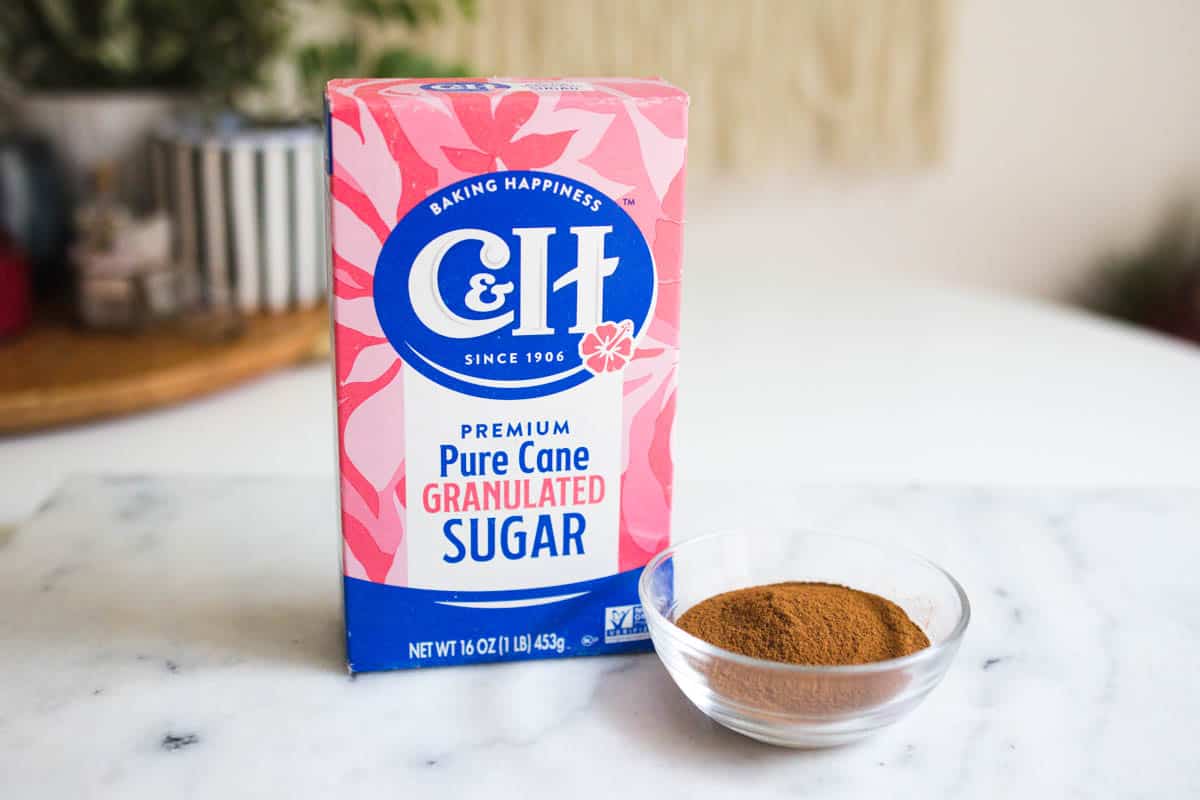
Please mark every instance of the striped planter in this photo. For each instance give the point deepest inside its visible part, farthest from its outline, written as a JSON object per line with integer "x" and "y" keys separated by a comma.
{"x": 248, "y": 212}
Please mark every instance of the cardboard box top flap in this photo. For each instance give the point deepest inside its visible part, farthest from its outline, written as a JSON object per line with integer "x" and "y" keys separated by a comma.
{"x": 637, "y": 90}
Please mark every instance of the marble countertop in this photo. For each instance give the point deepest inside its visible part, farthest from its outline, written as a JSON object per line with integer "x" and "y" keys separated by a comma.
{"x": 181, "y": 637}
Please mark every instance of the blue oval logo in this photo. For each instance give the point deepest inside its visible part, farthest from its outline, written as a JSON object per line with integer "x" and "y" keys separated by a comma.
{"x": 464, "y": 86}
{"x": 515, "y": 284}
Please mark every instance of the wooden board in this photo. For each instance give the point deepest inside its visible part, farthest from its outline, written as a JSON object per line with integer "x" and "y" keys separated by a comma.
{"x": 58, "y": 373}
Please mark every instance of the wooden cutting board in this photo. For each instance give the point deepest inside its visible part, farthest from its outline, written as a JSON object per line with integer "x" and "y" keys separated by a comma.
{"x": 57, "y": 373}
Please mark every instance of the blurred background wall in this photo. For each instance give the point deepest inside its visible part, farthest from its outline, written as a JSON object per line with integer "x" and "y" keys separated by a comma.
{"x": 778, "y": 85}
{"x": 998, "y": 144}
{"x": 1068, "y": 128}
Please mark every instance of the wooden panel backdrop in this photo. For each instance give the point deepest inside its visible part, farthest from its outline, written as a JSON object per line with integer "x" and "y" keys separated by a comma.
{"x": 776, "y": 84}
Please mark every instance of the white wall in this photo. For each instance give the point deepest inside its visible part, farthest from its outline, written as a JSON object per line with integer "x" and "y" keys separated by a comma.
{"x": 1070, "y": 124}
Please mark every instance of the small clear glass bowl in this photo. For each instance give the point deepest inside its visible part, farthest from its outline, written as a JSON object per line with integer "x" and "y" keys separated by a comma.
{"x": 791, "y": 704}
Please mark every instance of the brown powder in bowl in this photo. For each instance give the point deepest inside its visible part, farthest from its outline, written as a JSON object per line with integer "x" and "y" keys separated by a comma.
{"x": 805, "y": 623}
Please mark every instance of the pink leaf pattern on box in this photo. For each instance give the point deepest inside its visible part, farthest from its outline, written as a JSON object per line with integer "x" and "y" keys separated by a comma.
{"x": 386, "y": 162}
{"x": 493, "y": 132}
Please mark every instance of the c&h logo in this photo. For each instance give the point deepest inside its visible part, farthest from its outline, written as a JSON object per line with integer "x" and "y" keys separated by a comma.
{"x": 515, "y": 284}
{"x": 464, "y": 86}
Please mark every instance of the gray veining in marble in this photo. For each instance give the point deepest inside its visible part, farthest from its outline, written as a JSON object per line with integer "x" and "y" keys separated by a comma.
{"x": 182, "y": 638}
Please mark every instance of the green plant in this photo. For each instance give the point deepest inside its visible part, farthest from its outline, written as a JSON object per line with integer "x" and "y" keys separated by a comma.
{"x": 349, "y": 56}
{"x": 218, "y": 47}
{"x": 1157, "y": 285}
{"x": 198, "y": 45}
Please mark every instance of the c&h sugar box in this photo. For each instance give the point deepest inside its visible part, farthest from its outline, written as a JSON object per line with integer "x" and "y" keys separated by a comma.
{"x": 506, "y": 277}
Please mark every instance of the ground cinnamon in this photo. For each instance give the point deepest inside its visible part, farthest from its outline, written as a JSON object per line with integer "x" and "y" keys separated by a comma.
{"x": 805, "y": 623}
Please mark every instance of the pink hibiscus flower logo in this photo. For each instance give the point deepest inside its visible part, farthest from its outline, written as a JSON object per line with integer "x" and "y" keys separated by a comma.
{"x": 492, "y": 132}
{"x": 608, "y": 348}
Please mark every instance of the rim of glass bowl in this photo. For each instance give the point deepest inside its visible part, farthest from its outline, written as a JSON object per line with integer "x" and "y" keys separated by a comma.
{"x": 696, "y": 643}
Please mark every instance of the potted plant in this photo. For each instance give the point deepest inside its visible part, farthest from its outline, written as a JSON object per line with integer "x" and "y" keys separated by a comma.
{"x": 98, "y": 75}
{"x": 1157, "y": 284}
{"x": 347, "y": 53}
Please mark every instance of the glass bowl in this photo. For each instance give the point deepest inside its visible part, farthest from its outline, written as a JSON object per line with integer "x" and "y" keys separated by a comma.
{"x": 790, "y": 704}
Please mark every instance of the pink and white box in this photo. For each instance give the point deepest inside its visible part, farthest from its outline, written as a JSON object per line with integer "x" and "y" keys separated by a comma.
{"x": 506, "y": 277}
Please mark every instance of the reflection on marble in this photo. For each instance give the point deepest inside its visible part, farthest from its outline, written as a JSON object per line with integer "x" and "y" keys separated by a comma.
{"x": 181, "y": 638}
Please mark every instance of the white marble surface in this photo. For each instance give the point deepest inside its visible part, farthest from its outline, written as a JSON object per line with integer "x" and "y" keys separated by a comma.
{"x": 181, "y": 638}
